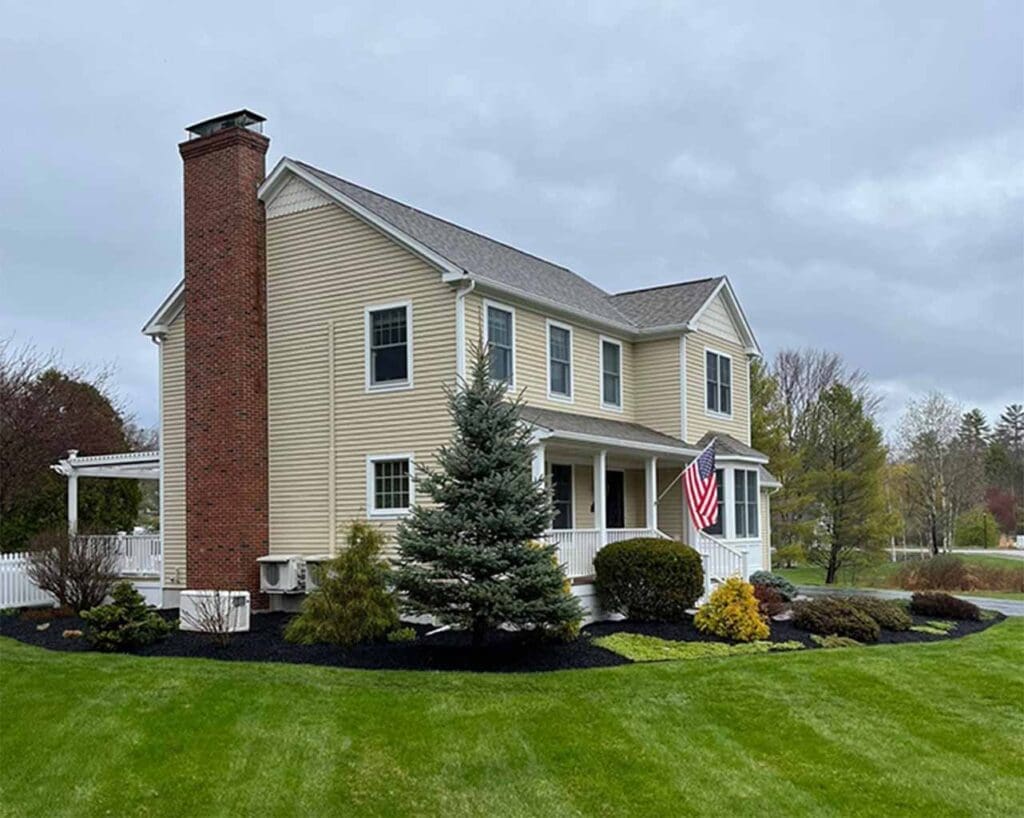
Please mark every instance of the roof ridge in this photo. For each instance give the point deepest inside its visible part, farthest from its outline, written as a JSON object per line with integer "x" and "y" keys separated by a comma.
{"x": 667, "y": 286}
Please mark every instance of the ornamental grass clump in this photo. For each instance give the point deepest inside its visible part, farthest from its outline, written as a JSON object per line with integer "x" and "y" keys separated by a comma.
{"x": 732, "y": 613}
{"x": 355, "y": 601}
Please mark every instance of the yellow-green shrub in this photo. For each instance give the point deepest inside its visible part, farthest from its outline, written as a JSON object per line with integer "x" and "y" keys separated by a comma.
{"x": 732, "y": 613}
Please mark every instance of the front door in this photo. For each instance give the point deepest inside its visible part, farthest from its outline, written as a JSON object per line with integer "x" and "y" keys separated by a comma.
{"x": 615, "y": 498}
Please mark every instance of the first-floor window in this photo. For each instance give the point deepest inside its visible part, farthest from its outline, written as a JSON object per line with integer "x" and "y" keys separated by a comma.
{"x": 745, "y": 501}
{"x": 561, "y": 488}
{"x": 719, "y": 526}
{"x": 390, "y": 490}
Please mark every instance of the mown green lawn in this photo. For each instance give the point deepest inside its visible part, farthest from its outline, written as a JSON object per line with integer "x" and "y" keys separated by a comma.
{"x": 926, "y": 729}
{"x": 883, "y": 574}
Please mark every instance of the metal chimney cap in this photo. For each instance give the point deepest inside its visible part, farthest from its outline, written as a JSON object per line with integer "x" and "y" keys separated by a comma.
{"x": 243, "y": 118}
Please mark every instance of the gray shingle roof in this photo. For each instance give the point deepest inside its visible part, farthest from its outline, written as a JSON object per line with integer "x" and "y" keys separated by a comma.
{"x": 727, "y": 444}
{"x": 600, "y": 427}
{"x": 670, "y": 305}
{"x": 501, "y": 264}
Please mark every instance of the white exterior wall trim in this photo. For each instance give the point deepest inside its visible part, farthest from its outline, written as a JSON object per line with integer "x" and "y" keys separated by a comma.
{"x": 601, "y": 341}
{"x": 558, "y": 396}
{"x": 389, "y": 513}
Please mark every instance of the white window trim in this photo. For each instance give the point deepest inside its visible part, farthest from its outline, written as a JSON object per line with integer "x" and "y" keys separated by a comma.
{"x": 757, "y": 502}
{"x": 558, "y": 396}
{"x": 371, "y": 495}
{"x": 391, "y": 386}
{"x": 601, "y": 341}
{"x": 485, "y": 329}
{"x": 714, "y": 413}
{"x": 572, "y": 489}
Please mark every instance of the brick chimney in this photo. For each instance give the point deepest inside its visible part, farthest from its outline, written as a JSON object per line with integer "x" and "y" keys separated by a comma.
{"x": 225, "y": 353}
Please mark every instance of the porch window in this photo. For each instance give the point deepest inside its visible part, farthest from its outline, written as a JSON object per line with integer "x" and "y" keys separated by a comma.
{"x": 611, "y": 374}
{"x": 561, "y": 488}
{"x": 389, "y": 350}
{"x": 390, "y": 489}
{"x": 718, "y": 370}
{"x": 559, "y": 361}
{"x": 501, "y": 344}
{"x": 719, "y": 526}
{"x": 745, "y": 501}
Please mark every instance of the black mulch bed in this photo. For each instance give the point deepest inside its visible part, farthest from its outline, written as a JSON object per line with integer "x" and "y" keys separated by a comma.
{"x": 504, "y": 653}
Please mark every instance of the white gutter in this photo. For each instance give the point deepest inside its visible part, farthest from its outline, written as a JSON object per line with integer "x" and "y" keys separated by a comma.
{"x": 460, "y": 328}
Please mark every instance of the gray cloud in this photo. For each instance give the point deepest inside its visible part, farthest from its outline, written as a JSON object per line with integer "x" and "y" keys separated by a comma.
{"x": 856, "y": 169}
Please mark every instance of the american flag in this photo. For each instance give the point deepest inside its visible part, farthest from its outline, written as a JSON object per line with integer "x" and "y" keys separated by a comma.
{"x": 702, "y": 489}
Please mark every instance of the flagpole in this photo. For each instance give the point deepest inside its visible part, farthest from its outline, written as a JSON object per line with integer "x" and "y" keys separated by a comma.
{"x": 683, "y": 471}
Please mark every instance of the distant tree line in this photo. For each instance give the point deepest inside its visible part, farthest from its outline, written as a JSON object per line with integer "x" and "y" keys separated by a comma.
{"x": 846, "y": 494}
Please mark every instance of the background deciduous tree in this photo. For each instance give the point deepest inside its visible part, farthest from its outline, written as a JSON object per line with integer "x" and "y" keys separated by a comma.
{"x": 44, "y": 411}
{"x": 845, "y": 461}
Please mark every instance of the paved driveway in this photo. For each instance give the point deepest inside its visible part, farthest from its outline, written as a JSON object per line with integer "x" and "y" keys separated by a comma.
{"x": 1010, "y": 607}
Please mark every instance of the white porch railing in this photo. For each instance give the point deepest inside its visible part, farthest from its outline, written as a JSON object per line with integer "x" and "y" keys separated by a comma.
{"x": 577, "y": 547}
{"x": 721, "y": 561}
{"x": 140, "y": 554}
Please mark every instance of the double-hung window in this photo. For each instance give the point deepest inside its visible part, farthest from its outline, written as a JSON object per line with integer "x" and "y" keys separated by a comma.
{"x": 611, "y": 374}
{"x": 389, "y": 346}
{"x": 501, "y": 334}
{"x": 718, "y": 370}
{"x": 561, "y": 489}
{"x": 559, "y": 361}
{"x": 389, "y": 484}
{"x": 745, "y": 503}
{"x": 719, "y": 526}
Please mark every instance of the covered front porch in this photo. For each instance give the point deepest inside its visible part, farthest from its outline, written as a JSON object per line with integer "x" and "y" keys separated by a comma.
{"x": 614, "y": 480}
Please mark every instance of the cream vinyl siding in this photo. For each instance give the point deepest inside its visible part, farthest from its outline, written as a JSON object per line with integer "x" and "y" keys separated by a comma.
{"x": 717, "y": 321}
{"x": 698, "y": 420}
{"x": 583, "y": 496}
{"x": 657, "y": 385}
{"x": 172, "y": 452}
{"x": 670, "y": 507}
{"x": 531, "y": 361}
{"x": 324, "y": 267}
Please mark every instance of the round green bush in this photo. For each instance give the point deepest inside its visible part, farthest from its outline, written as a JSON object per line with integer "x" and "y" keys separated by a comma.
{"x": 649, "y": 579}
{"x": 829, "y": 615}
{"x": 943, "y": 605}
{"x": 784, "y": 588}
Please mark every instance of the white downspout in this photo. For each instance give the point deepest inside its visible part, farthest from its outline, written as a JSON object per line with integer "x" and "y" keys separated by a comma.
{"x": 460, "y": 330}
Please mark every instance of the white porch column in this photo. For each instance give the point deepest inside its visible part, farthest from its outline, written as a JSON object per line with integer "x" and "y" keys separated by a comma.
{"x": 72, "y": 503}
{"x": 651, "y": 491}
{"x": 538, "y": 461}
{"x": 600, "y": 492}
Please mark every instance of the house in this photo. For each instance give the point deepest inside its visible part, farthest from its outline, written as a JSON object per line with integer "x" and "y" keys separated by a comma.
{"x": 304, "y": 356}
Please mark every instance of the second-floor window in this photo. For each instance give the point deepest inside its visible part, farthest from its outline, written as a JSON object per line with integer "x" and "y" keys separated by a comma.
{"x": 718, "y": 371}
{"x": 389, "y": 348}
{"x": 501, "y": 344}
{"x": 559, "y": 361}
{"x": 745, "y": 501}
{"x": 611, "y": 373}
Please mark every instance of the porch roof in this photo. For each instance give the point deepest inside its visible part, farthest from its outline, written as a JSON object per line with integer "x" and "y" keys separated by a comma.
{"x": 590, "y": 429}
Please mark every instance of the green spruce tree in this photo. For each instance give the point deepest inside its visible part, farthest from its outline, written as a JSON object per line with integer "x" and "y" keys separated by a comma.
{"x": 473, "y": 557}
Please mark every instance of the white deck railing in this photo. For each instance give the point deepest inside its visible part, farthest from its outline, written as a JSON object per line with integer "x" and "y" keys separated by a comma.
{"x": 140, "y": 554}
{"x": 577, "y": 547}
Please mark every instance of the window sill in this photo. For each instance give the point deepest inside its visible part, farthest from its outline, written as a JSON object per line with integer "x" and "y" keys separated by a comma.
{"x": 390, "y": 514}
{"x": 561, "y": 398}
{"x": 402, "y": 386}
{"x": 611, "y": 407}
{"x": 711, "y": 413}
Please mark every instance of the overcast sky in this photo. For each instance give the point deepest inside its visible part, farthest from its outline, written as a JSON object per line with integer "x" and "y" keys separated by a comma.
{"x": 856, "y": 169}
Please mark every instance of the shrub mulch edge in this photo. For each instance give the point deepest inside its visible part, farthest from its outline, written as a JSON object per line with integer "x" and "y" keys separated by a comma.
{"x": 506, "y": 652}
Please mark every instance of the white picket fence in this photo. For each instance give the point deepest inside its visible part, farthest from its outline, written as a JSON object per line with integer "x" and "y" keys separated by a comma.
{"x": 16, "y": 589}
{"x": 139, "y": 555}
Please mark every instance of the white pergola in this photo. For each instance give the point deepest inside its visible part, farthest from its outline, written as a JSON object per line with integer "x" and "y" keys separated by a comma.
{"x": 125, "y": 465}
